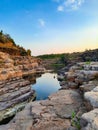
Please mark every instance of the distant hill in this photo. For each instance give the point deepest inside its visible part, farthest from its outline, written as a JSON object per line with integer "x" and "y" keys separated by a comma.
{"x": 8, "y": 45}
{"x": 87, "y": 55}
{"x": 57, "y": 61}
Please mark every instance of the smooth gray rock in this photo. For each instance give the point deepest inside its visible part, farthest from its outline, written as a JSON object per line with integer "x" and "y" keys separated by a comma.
{"x": 92, "y": 97}
{"x": 72, "y": 128}
{"x": 91, "y": 119}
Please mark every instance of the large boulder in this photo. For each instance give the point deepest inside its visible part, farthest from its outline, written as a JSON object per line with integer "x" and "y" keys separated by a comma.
{"x": 92, "y": 97}
{"x": 89, "y": 121}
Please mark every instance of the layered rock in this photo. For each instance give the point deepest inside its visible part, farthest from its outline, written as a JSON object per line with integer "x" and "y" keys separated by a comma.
{"x": 88, "y": 86}
{"x": 79, "y": 75}
{"x": 51, "y": 114}
{"x": 13, "y": 94}
{"x": 84, "y": 76}
{"x": 55, "y": 113}
{"x": 14, "y": 90}
{"x": 17, "y": 66}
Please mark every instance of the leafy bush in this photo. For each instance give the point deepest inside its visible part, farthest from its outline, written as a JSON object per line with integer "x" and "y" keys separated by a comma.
{"x": 75, "y": 121}
{"x": 88, "y": 62}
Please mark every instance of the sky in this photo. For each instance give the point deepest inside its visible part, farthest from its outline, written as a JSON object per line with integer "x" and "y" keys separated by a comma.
{"x": 51, "y": 26}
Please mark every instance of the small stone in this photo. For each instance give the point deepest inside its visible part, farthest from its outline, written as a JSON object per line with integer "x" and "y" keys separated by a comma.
{"x": 72, "y": 128}
{"x": 66, "y": 116}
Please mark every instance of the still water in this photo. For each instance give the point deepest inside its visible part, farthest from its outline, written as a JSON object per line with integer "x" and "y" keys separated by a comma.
{"x": 46, "y": 85}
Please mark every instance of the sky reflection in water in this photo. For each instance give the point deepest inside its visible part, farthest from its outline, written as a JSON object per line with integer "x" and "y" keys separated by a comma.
{"x": 46, "y": 85}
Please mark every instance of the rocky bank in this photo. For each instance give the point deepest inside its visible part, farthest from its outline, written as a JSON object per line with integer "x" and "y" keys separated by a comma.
{"x": 51, "y": 114}
{"x": 84, "y": 76}
{"x": 15, "y": 91}
{"x": 73, "y": 107}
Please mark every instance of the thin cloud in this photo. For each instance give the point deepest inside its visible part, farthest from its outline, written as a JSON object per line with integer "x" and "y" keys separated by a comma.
{"x": 73, "y": 4}
{"x": 60, "y": 8}
{"x": 41, "y": 22}
{"x": 69, "y": 4}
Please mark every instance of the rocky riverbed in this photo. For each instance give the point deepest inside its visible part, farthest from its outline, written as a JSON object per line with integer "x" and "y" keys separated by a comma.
{"x": 84, "y": 77}
{"x": 51, "y": 114}
{"x": 73, "y": 107}
{"x": 15, "y": 91}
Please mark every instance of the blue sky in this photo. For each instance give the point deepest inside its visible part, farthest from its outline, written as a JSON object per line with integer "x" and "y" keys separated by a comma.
{"x": 51, "y": 26}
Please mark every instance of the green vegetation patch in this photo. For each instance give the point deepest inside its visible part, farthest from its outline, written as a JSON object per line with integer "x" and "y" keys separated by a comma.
{"x": 75, "y": 121}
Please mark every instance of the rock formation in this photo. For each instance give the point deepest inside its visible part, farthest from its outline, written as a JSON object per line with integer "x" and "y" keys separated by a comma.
{"x": 74, "y": 107}
{"x": 84, "y": 76}
{"x": 51, "y": 114}
{"x": 14, "y": 90}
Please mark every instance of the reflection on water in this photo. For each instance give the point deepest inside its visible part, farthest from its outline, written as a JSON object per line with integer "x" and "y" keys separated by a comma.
{"x": 32, "y": 77}
{"x": 46, "y": 85}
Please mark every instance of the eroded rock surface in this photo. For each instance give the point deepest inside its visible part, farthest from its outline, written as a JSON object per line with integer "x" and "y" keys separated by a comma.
{"x": 89, "y": 121}
{"x": 14, "y": 90}
{"x": 51, "y": 114}
{"x": 84, "y": 76}
{"x": 17, "y": 66}
{"x": 12, "y": 95}
{"x": 80, "y": 76}
{"x": 55, "y": 112}
{"x": 92, "y": 97}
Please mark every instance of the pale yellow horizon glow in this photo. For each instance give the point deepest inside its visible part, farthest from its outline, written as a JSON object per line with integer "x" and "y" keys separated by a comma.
{"x": 76, "y": 41}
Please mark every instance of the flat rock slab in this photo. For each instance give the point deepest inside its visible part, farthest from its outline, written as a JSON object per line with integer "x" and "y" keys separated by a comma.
{"x": 51, "y": 114}
{"x": 89, "y": 86}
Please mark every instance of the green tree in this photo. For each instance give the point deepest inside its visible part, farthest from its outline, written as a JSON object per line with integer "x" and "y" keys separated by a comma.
{"x": 28, "y": 52}
{"x": 1, "y": 32}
